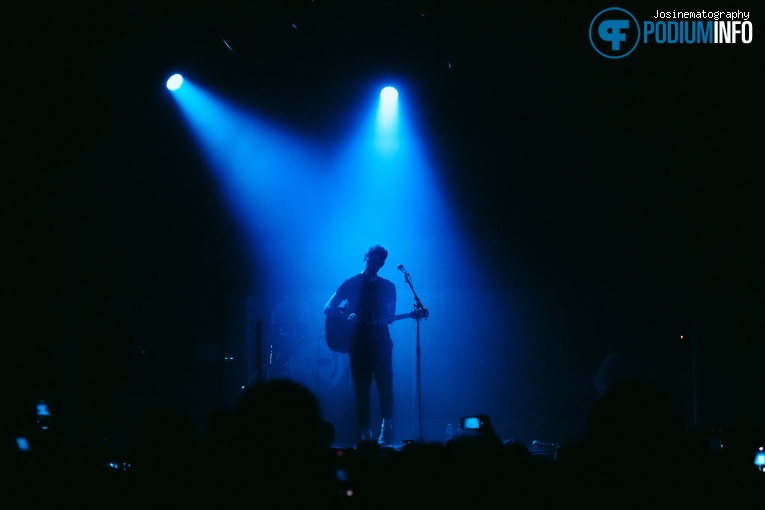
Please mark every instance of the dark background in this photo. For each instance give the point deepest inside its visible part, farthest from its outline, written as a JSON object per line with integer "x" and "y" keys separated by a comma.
{"x": 632, "y": 190}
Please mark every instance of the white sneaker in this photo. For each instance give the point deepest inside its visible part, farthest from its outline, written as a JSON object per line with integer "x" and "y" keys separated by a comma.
{"x": 386, "y": 433}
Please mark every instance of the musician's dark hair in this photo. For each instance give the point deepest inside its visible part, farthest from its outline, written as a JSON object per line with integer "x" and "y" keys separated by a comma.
{"x": 377, "y": 249}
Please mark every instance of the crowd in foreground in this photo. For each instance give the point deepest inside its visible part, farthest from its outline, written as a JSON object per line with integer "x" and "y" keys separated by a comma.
{"x": 274, "y": 448}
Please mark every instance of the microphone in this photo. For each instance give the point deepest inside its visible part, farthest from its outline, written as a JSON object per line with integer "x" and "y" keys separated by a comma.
{"x": 401, "y": 268}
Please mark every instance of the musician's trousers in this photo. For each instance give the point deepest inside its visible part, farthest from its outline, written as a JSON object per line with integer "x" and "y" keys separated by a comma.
{"x": 372, "y": 361}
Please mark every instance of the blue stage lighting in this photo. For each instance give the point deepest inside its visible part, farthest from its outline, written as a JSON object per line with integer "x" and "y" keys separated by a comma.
{"x": 175, "y": 82}
{"x": 389, "y": 94}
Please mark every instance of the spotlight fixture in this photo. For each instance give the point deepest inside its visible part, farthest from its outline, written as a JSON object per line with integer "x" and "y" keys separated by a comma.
{"x": 174, "y": 82}
{"x": 389, "y": 93}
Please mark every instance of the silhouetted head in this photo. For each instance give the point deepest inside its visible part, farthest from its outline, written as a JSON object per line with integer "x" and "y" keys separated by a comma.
{"x": 279, "y": 415}
{"x": 636, "y": 423}
{"x": 374, "y": 259}
{"x": 378, "y": 251}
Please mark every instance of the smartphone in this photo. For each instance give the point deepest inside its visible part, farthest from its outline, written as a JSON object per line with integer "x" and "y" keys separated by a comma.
{"x": 759, "y": 458}
{"x": 470, "y": 423}
{"x": 43, "y": 414}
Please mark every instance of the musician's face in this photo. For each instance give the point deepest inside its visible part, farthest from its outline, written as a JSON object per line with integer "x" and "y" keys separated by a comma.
{"x": 373, "y": 263}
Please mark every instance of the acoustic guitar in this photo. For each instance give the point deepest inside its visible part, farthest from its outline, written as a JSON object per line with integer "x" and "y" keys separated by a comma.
{"x": 341, "y": 333}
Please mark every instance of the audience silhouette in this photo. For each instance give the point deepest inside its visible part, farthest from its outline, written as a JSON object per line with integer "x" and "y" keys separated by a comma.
{"x": 275, "y": 446}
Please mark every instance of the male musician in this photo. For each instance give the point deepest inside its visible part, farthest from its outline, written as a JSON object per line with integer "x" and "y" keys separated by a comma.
{"x": 369, "y": 302}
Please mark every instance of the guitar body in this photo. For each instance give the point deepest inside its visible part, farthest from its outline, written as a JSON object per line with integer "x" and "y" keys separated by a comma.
{"x": 340, "y": 333}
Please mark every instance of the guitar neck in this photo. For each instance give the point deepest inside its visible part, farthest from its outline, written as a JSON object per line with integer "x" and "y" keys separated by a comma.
{"x": 410, "y": 315}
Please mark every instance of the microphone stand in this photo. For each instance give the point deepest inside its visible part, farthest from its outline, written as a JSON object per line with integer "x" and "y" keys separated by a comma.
{"x": 418, "y": 308}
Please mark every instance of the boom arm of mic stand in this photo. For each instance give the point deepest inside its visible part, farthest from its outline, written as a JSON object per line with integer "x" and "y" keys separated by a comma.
{"x": 418, "y": 304}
